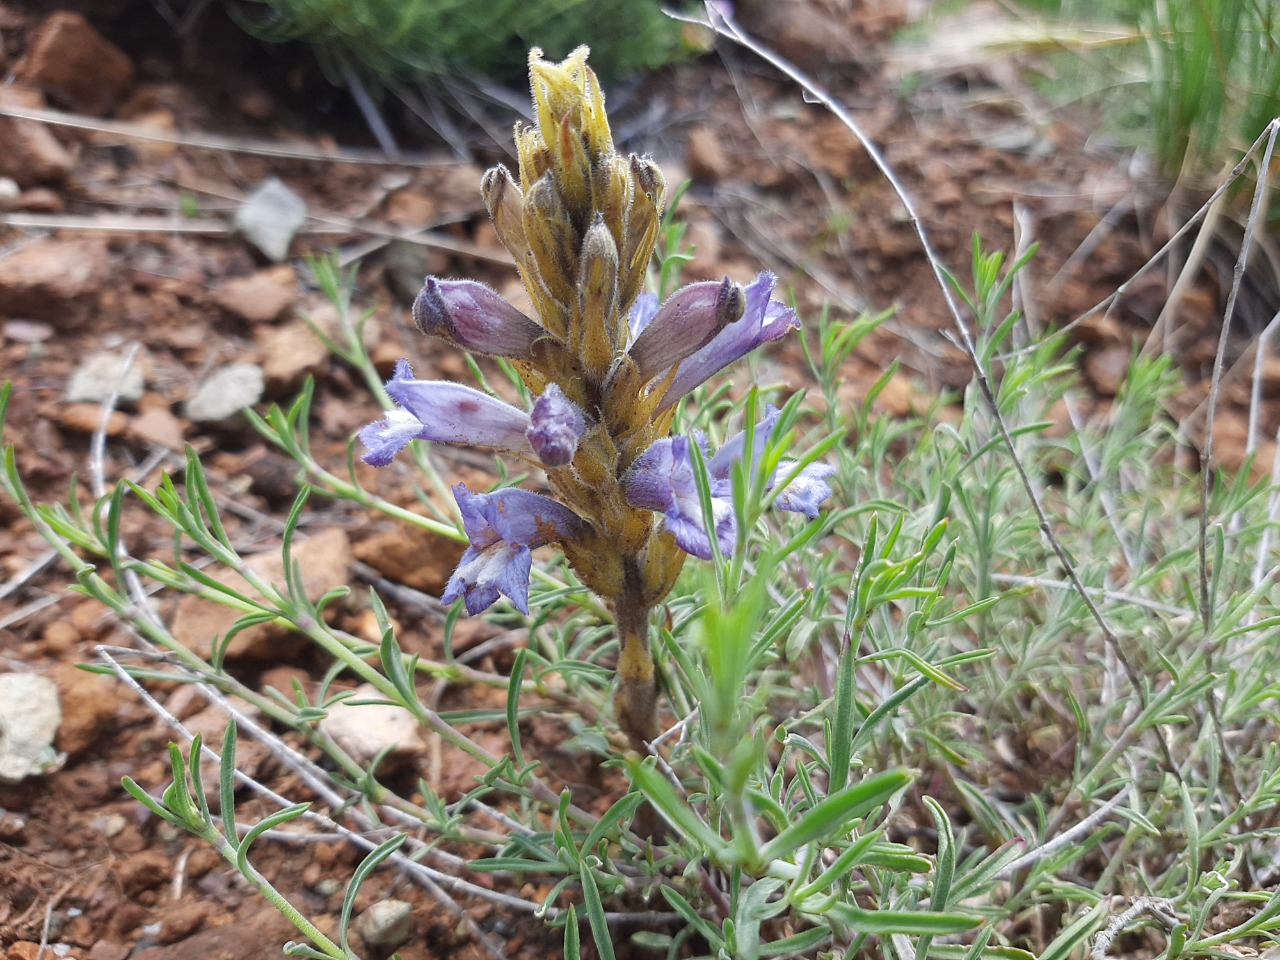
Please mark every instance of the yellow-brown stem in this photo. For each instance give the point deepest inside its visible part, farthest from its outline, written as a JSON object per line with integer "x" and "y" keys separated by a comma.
{"x": 636, "y": 702}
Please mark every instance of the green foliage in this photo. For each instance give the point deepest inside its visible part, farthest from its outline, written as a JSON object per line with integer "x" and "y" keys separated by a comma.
{"x": 413, "y": 40}
{"x": 898, "y": 728}
{"x": 1197, "y": 83}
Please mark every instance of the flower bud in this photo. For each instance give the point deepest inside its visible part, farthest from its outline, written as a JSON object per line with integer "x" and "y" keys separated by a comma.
{"x": 597, "y": 300}
{"x": 687, "y": 322}
{"x": 556, "y": 425}
{"x": 475, "y": 318}
{"x": 505, "y": 203}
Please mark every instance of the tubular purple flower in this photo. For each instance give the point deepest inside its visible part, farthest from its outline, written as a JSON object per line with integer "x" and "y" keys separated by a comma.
{"x": 762, "y": 320}
{"x": 555, "y": 427}
{"x": 445, "y": 413}
{"x": 804, "y": 494}
{"x": 661, "y": 479}
{"x": 504, "y": 527}
{"x": 807, "y": 491}
{"x": 690, "y": 318}
{"x": 475, "y": 318}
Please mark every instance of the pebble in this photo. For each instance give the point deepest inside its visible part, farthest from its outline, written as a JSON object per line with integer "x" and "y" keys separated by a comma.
{"x": 51, "y": 279}
{"x": 224, "y": 394}
{"x": 270, "y": 217}
{"x": 9, "y": 193}
{"x": 31, "y": 154}
{"x": 102, "y": 375}
{"x": 260, "y": 297}
{"x": 365, "y": 730}
{"x": 386, "y": 924}
{"x": 289, "y": 354}
{"x": 76, "y": 65}
{"x": 29, "y": 718}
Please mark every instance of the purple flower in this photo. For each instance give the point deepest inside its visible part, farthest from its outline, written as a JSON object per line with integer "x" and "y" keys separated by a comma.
{"x": 690, "y": 318}
{"x": 504, "y": 527}
{"x": 475, "y": 318}
{"x": 642, "y": 313}
{"x": 446, "y": 413}
{"x": 662, "y": 479}
{"x": 556, "y": 425}
{"x": 763, "y": 320}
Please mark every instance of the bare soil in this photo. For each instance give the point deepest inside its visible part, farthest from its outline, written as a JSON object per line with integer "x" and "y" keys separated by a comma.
{"x": 115, "y": 241}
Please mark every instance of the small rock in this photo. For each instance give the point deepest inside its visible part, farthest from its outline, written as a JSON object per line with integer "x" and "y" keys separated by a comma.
{"x": 89, "y": 703}
{"x": 142, "y": 871}
{"x": 76, "y": 65}
{"x": 227, "y": 392}
{"x": 155, "y": 424}
{"x": 108, "y": 950}
{"x": 102, "y": 375}
{"x": 27, "y": 331}
{"x": 325, "y": 560}
{"x": 181, "y": 920}
{"x": 259, "y": 298}
{"x": 366, "y": 730}
{"x": 705, "y": 157}
{"x": 386, "y": 924}
{"x": 410, "y": 555}
{"x": 270, "y": 217}
{"x": 52, "y": 279}
{"x": 29, "y": 719}
{"x": 60, "y": 637}
{"x": 31, "y": 154}
{"x": 41, "y": 200}
{"x": 87, "y": 418}
{"x": 1107, "y": 367}
{"x": 289, "y": 354}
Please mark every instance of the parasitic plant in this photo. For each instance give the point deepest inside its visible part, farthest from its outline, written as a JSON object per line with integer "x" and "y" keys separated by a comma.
{"x": 607, "y": 365}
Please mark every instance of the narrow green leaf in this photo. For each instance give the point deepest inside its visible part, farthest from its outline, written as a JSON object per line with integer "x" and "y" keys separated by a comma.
{"x": 673, "y": 807}
{"x": 367, "y": 866}
{"x": 909, "y": 922}
{"x": 595, "y": 912}
{"x": 834, "y": 816}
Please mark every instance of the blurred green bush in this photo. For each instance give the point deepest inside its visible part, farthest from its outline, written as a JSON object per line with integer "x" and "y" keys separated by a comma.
{"x": 416, "y": 40}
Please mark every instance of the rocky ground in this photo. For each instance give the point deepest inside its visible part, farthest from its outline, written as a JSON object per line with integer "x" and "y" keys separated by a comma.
{"x": 144, "y": 295}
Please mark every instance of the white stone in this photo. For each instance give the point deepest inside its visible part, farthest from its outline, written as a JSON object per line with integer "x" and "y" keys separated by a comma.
{"x": 386, "y": 924}
{"x": 99, "y": 377}
{"x": 365, "y": 730}
{"x": 228, "y": 391}
{"x": 270, "y": 217}
{"x": 30, "y": 714}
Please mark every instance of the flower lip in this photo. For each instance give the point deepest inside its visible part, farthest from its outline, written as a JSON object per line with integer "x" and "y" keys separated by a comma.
{"x": 504, "y": 527}
{"x": 662, "y": 479}
{"x": 475, "y": 318}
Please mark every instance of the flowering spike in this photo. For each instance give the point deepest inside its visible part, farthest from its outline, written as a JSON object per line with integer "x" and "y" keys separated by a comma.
{"x": 475, "y": 318}
{"x": 606, "y": 363}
